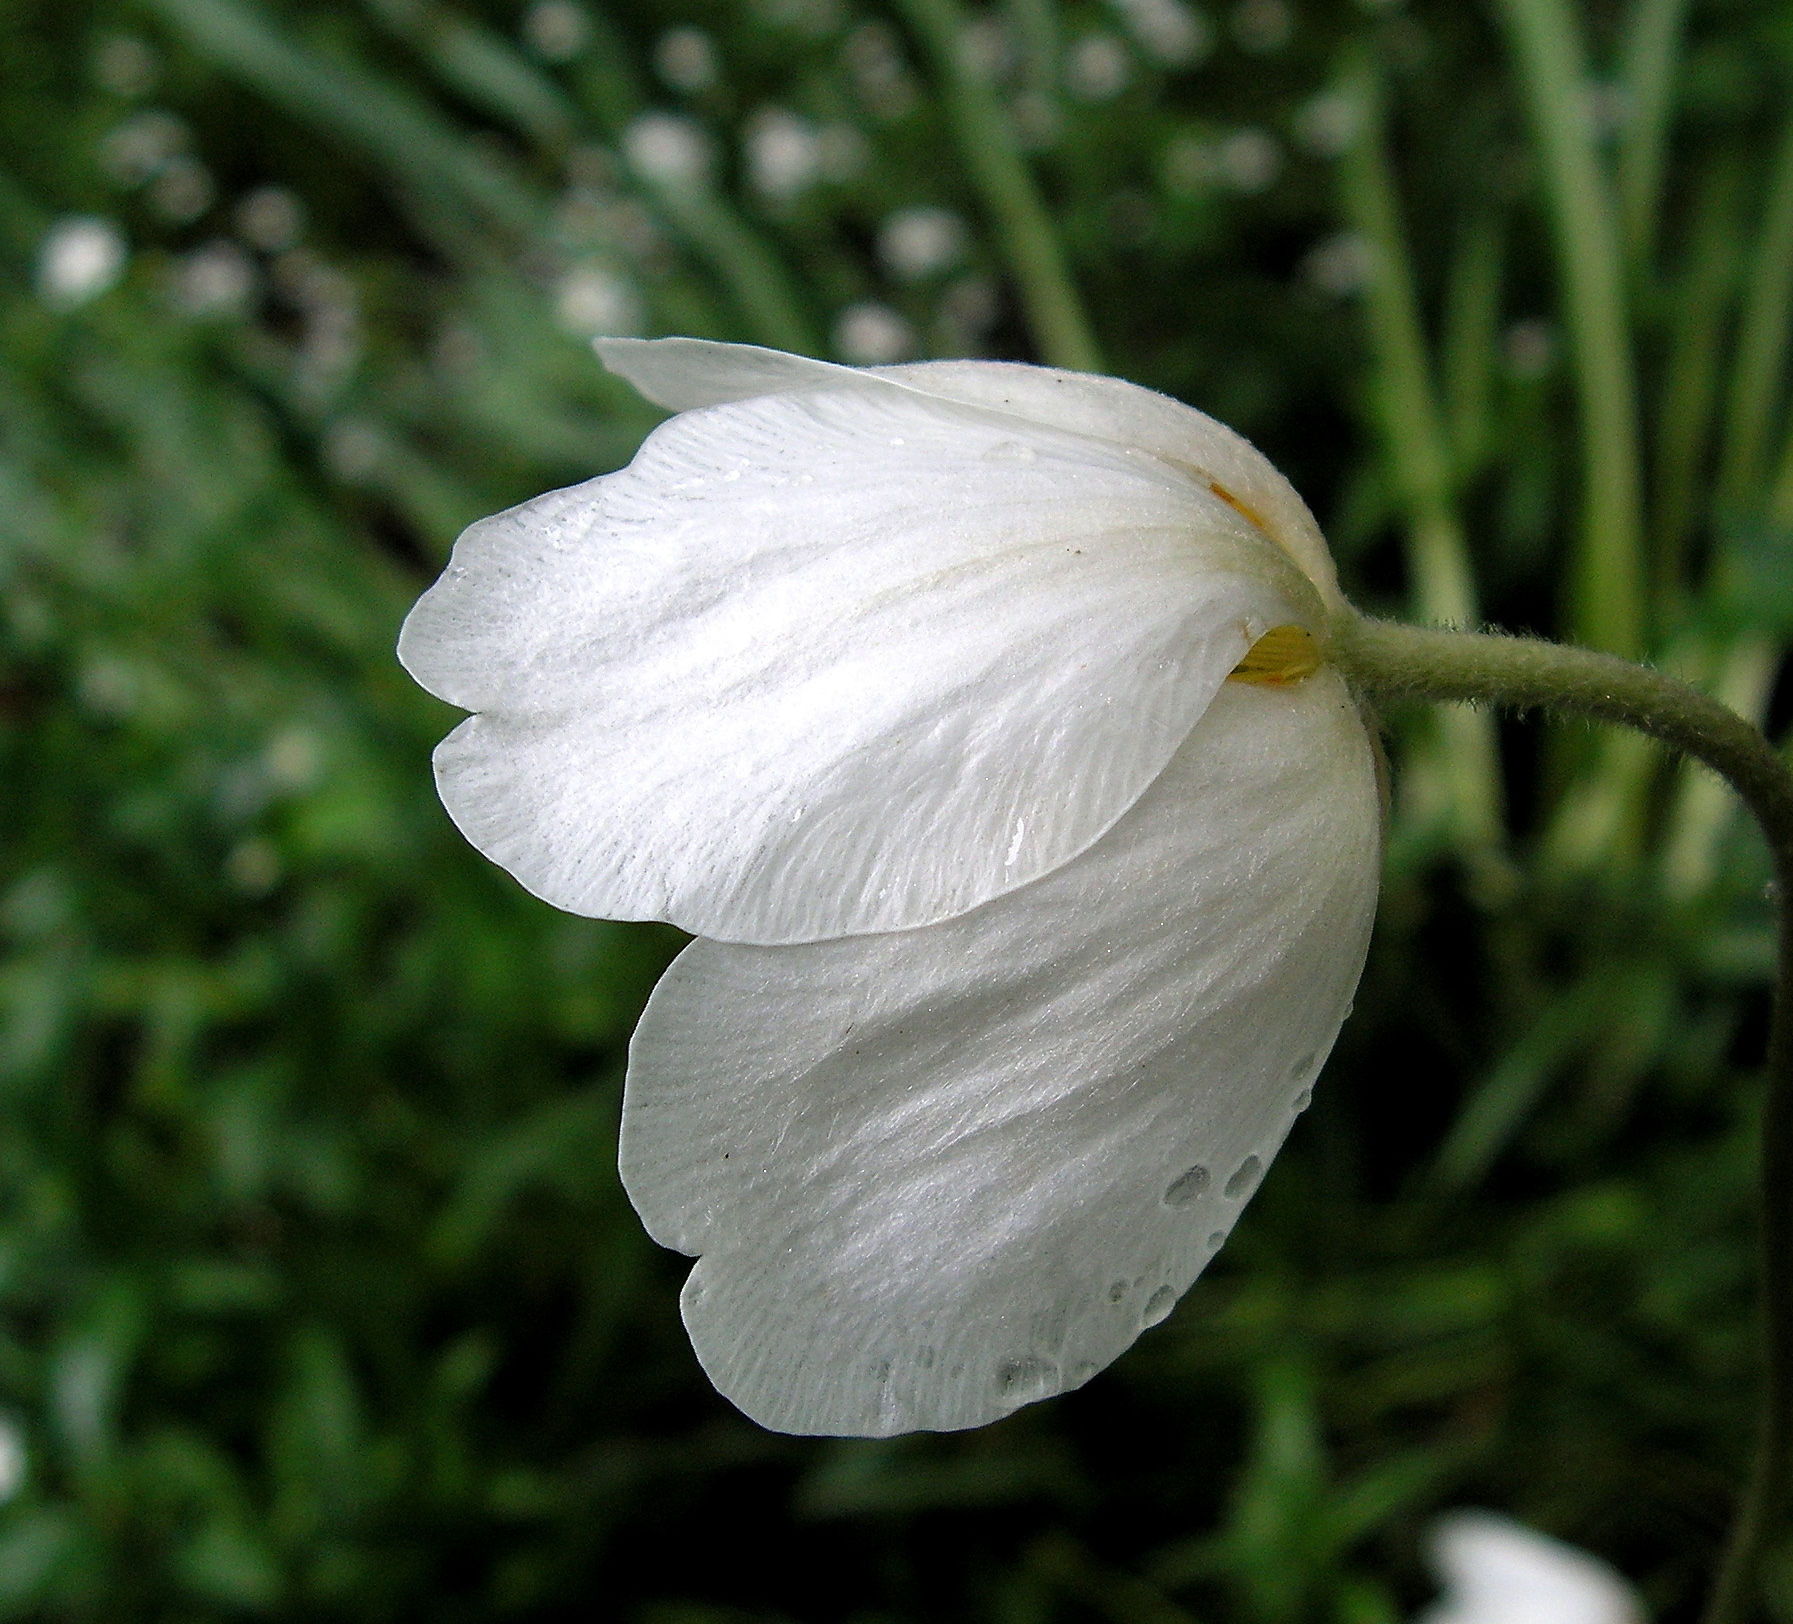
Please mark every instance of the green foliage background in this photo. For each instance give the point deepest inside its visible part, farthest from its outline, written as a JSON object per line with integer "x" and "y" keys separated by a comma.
{"x": 318, "y": 1296}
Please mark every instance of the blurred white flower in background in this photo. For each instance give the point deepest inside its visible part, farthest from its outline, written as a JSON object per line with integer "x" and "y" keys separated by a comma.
{"x": 79, "y": 259}
{"x": 1529, "y": 346}
{"x": 330, "y": 338}
{"x": 556, "y": 30}
{"x": 1342, "y": 265}
{"x": 125, "y": 65}
{"x": 667, "y": 148}
{"x": 355, "y": 449}
{"x": 686, "y": 59}
{"x": 921, "y": 242}
{"x": 270, "y": 218}
{"x": 969, "y": 307}
{"x": 987, "y": 48}
{"x": 1024, "y": 931}
{"x": 215, "y": 280}
{"x": 1097, "y": 68}
{"x": 592, "y": 300}
{"x": 13, "y": 1459}
{"x": 1497, "y": 1571}
{"x": 872, "y": 334}
{"x": 1171, "y": 31}
{"x": 784, "y": 154}
{"x": 1249, "y": 161}
{"x": 1328, "y": 124}
{"x": 135, "y": 151}
{"x": 874, "y": 57}
{"x": 182, "y": 190}
{"x": 1263, "y": 27}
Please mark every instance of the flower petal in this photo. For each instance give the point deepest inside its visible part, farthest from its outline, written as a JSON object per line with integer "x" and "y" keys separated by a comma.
{"x": 685, "y": 374}
{"x": 936, "y": 1174}
{"x": 827, "y": 663}
{"x": 682, "y": 373}
{"x": 1497, "y": 1571}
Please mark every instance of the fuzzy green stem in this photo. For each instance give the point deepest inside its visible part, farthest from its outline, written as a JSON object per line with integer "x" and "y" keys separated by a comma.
{"x": 1386, "y": 661}
{"x": 1055, "y": 313}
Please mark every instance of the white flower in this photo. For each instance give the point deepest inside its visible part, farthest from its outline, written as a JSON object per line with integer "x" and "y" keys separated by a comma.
{"x": 872, "y": 334}
{"x": 79, "y": 259}
{"x": 784, "y": 153}
{"x": 921, "y": 242}
{"x": 1497, "y": 1571}
{"x": 1026, "y": 930}
{"x": 13, "y": 1459}
{"x": 668, "y": 149}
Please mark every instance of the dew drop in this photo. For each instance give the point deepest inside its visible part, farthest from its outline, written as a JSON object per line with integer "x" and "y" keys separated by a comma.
{"x": 1303, "y": 1100}
{"x": 1216, "y": 1240}
{"x": 1244, "y": 1181}
{"x": 1020, "y": 1381}
{"x": 1304, "y": 1065}
{"x": 1117, "y": 1291}
{"x": 1185, "y": 1187}
{"x": 1159, "y": 1305}
{"x": 1082, "y": 1371}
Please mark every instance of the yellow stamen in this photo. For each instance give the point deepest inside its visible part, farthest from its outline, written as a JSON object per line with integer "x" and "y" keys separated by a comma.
{"x": 1282, "y": 657}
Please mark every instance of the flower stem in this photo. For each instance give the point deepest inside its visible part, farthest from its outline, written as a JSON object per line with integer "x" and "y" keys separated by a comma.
{"x": 1388, "y": 661}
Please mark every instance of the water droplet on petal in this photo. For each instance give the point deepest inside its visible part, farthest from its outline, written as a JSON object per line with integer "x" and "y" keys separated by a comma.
{"x": 1185, "y": 1187}
{"x": 1020, "y": 1381}
{"x": 1304, "y": 1065}
{"x": 1159, "y": 1305}
{"x": 1216, "y": 1240}
{"x": 1243, "y": 1182}
{"x": 1303, "y": 1100}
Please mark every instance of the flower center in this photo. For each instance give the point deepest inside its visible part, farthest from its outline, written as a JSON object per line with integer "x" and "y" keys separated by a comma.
{"x": 1283, "y": 656}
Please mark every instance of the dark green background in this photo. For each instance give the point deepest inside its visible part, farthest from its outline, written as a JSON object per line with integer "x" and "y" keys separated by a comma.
{"x": 319, "y": 1298}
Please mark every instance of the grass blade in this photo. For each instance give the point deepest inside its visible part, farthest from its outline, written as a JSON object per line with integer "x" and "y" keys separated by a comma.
{"x": 1607, "y": 607}
{"x": 426, "y": 155}
{"x": 1441, "y": 581}
{"x": 1055, "y": 313}
{"x": 1761, "y": 341}
{"x": 1702, "y": 306}
{"x": 1646, "y": 76}
{"x": 1471, "y": 321}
